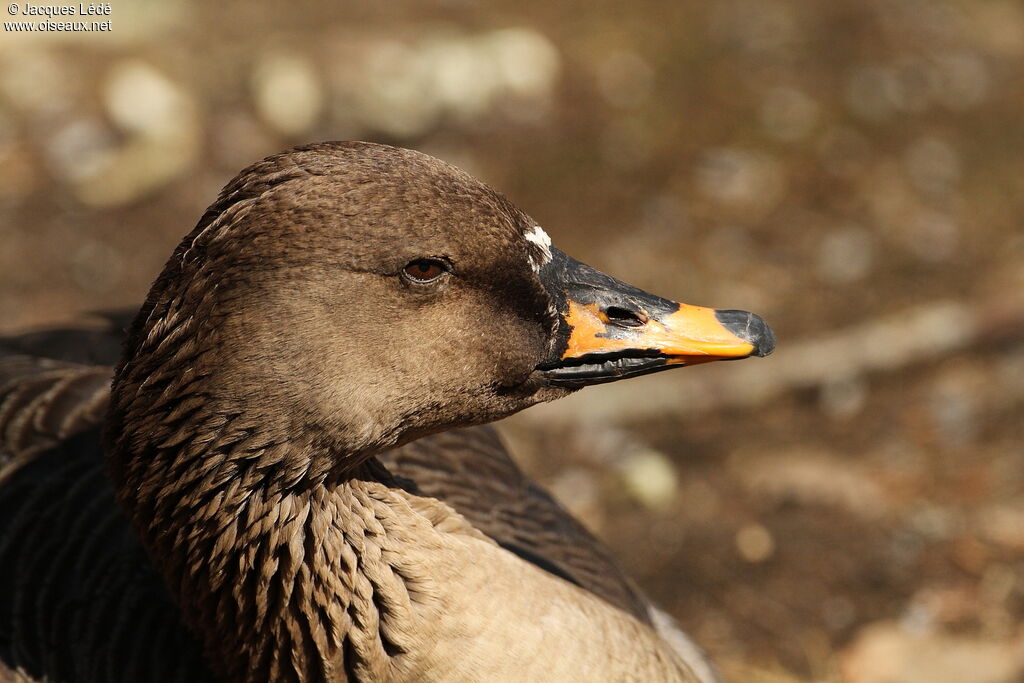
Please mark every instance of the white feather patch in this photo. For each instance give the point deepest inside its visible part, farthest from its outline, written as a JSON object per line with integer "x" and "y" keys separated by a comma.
{"x": 540, "y": 238}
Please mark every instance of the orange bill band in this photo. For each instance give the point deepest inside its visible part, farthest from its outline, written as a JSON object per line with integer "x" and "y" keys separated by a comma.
{"x": 691, "y": 334}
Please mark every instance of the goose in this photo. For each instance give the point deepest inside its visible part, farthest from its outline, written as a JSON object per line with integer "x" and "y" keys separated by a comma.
{"x": 289, "y": 473}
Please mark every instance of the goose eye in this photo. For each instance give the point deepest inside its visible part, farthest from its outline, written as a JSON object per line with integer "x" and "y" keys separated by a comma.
{"x": 422, "y": 271}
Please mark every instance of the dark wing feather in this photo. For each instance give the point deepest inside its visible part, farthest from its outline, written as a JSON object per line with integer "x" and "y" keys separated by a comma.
{"x": 50, "y": 385}
{"x": 95, "y": 339}
{"x": 43, "y": 402}
{"x": 79, "y": 599}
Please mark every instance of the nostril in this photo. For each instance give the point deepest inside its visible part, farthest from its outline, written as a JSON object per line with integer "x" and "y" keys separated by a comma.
{"x": 616, "y": 315}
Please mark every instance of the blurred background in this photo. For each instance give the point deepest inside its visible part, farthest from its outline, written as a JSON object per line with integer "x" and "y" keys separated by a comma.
{"x": 851, "y": 508}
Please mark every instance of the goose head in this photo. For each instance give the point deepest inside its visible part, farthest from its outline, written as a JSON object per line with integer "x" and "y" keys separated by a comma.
{"x": 366, "y": 295}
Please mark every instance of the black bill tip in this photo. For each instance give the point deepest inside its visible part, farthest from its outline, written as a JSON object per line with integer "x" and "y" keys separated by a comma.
{"x": 750, "y": 328}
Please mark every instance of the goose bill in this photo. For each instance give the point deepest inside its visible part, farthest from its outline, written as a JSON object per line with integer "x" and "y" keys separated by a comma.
{"x": 609, "y": 330}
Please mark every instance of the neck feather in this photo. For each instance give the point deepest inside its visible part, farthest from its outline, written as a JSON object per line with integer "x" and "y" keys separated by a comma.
{"x": 281, "y": 568}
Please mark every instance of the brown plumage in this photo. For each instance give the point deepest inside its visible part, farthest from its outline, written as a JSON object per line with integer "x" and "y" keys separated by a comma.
{"x": 262, "y": 439}
{"x": 43, "y": 496}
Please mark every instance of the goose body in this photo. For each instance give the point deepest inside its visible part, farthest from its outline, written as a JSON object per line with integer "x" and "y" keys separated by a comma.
{"x": 279, "y": 493}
